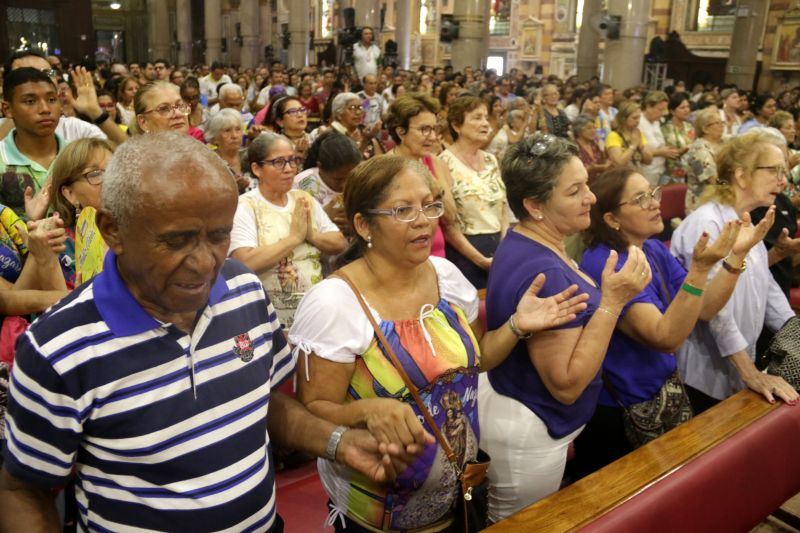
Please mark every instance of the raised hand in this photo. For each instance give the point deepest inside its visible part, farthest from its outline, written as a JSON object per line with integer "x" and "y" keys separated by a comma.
{"x": 619, "y": 287}
{"x": 787, "y": 245}
{"x": 537, "y": 314}
{"x": 36, "y": 205}
{"x": 750, "y": 235}
{"x": 86, "y": 100}
{"x": 705, "y": 256}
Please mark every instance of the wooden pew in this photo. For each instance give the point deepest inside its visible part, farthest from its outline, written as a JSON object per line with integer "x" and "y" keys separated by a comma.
{"x": 725, "y": 470}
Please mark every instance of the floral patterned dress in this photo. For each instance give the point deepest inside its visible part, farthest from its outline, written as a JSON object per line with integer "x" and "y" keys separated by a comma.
{"x": 678, "y": 138}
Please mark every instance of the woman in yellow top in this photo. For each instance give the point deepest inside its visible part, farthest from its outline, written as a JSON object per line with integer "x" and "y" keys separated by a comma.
{"x": 281, "y": 233}
{"x": 626, "y": 144}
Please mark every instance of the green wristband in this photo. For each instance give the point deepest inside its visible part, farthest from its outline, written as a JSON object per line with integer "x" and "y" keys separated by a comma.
{"x": 691, "y": 289}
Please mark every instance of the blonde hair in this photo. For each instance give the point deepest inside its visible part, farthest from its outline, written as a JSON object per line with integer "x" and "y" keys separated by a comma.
{"x": 704, "y": 118}
{"x": 739, "y": 153}
{"x": 626, "y": 109}
{"x": 142, "y": 99}
{"x": 67, "y": 166}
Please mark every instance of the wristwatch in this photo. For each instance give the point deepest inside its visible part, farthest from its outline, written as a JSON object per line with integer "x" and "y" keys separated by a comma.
{"x": 102, "y": 118}
{"x": 333, "y": 442}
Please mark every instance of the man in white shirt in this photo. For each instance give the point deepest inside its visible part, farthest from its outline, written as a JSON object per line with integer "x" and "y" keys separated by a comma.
{"x": 366, "y": 54}
{"x": 374, "y": 106}
{"x": 208, "y": 84}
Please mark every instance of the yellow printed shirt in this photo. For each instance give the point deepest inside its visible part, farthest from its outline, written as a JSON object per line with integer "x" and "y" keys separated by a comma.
{"x": 480, "y": 195}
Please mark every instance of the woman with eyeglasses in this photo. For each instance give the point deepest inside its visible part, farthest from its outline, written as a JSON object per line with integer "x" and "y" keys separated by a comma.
{"x": 347, "y": 113}
{"x": 159, "y": 107}
{"x": 412, "y": 125}
{"x": 478, "y": 190}
{"x": 538, "y": 399}
{"x": 281, "y": 233}
{"x": 288, "y": 117}
{"x": 640, "y": 370}
{"x": 77, "y": 182}
{"x": 717, "y": 359}
{"x": 428, "y": 312}
{"x": 701, "y": 169}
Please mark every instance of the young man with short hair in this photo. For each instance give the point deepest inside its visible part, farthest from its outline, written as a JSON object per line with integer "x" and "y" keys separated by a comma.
{"x": 28, "y": 151}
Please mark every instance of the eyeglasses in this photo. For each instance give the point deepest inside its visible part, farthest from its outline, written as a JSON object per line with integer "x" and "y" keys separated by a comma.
{"x": 166, "y": 110}
{"x": 410, "y": 213}
{"x": 51, "y": 72}
{"x": 541, "y": 146}
{"x": 425, "y": 131}
{"x": 94, "y": 176}
{"x": 778, "y": 172}
{"x": 645, "y": 199}
{"x": 281, "y": 162}
{"x": 354, "y": 108}
{"x": 295, "y": 111}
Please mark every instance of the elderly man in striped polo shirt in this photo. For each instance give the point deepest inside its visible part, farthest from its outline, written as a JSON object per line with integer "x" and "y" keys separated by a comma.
{"x": 151, "y": 384}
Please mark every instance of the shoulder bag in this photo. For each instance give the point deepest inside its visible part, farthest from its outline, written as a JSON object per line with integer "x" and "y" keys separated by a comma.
{"x": 473, "y": 497}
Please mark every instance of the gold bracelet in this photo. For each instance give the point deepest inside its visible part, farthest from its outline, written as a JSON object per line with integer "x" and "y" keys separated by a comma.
{"x": 615, "y": 315}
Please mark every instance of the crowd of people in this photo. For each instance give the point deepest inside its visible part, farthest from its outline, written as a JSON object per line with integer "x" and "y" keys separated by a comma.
{"x": 193, "y": 237}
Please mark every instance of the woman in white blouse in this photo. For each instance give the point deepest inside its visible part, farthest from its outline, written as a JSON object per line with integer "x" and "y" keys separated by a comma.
{"x": 278, "y": 232}
{"x": 717, "y": 359}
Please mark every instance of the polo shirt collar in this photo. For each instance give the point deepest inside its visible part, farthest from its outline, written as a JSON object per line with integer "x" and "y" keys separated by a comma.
{"x": 120, "y": 310}
{"x": 16, "y": 158}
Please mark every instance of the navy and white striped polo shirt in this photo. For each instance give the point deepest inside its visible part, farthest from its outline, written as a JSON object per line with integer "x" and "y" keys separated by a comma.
{"x": 166, "y": 431}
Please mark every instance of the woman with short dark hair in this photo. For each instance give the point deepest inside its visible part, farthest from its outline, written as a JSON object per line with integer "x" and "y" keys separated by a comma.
{"x": 538, "y": 399}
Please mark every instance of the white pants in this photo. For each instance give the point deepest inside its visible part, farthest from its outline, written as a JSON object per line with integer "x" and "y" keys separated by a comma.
{"x": 527, "y": 464}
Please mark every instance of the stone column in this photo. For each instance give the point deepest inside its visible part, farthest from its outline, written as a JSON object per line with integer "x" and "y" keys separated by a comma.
{"x": 183, "y": 17}
{"x": 741, "y": 67}
{"x": 298, "y": 34}
{"x": 213, "y": 18}
{"x": 402, "y": 17}
{"x": 249, "y": 18}
{"x": 265, "y": 29}
{"x": 624, "y": 57}
{"x": 158, "y": 15}
{"x": 468, "y": 49}
{"x": 588, "y": 41}
{"x": 368, "y": 13}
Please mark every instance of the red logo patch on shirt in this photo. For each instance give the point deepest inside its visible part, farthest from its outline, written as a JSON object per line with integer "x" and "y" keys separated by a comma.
{"x": 243, "y": 347}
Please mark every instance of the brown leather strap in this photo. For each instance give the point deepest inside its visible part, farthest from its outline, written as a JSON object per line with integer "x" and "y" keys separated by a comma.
{"x": 400, "y": 370}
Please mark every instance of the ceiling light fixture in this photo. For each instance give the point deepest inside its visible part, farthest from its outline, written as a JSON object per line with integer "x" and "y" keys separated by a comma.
{"x": 115, "y": 5}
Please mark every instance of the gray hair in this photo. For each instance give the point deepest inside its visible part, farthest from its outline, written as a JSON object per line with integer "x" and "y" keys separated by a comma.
{"x": 230, "y": 88}
{"x": 514, "y": 114}
{"x": 528, "y": 175}
{"x": 160, "y": 152}
{"x": 262, "y": 145}
{"x": 580, "y": 122}
{"x": 339, "y": 101}
{"x": 221, "y": 120}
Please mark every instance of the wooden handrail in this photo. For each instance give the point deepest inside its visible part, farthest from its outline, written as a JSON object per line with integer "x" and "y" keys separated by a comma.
{"x": 586, "y": 500}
